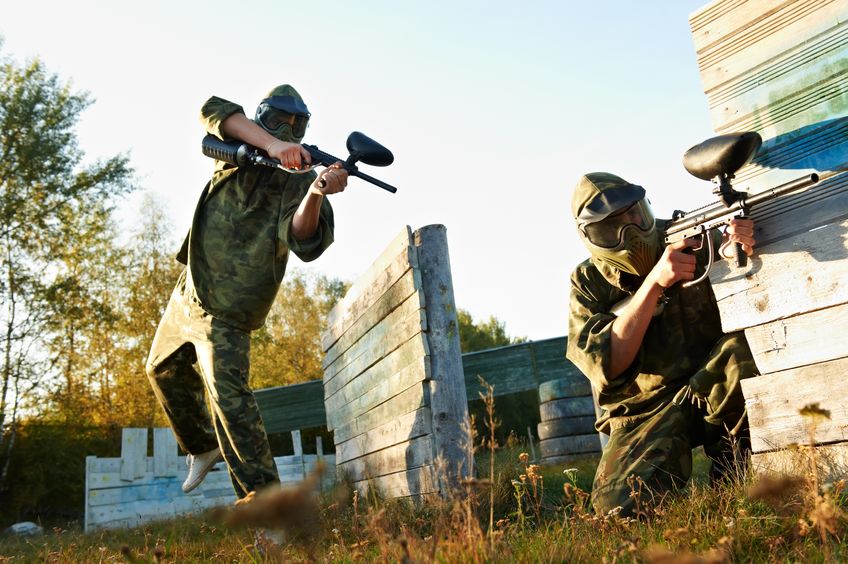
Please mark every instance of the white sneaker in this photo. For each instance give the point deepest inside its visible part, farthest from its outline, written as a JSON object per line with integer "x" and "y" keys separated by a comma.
{"x": 199, "y": 466}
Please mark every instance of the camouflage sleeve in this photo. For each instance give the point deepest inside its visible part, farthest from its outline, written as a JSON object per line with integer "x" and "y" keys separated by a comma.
{"x": 312, "y": 248}
{"x": 213, "y": 113}
{"x": 589, "y": 344}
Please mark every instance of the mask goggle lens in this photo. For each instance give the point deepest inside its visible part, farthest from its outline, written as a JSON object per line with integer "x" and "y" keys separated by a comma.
{"x": 608, "y": 232}
{"x": 273, "y": 119}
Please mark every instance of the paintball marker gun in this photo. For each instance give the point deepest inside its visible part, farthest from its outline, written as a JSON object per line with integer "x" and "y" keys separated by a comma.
{"x": 361, "y": 149}
{"x": 718, "y": 159}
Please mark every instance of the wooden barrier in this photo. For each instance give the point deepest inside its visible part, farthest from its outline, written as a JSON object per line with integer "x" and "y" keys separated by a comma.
{"x": 393, "y": 383}
{"x": 781, "y": 68}
{"x": 136, "y": 488}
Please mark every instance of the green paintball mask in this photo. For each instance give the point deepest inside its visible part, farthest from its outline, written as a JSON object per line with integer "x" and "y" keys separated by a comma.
{"x": 283, "y": 114}
{"x": 616, "y": 223}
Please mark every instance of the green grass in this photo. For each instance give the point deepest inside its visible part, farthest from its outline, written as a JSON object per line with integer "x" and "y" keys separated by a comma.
{"x": 731, "y": 523}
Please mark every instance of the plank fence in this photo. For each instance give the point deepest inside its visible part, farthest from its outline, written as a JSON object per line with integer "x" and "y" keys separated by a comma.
{"x": 393, "y": 382}
{"x": 137, "y": 488}
{"x": 781, "y": 68}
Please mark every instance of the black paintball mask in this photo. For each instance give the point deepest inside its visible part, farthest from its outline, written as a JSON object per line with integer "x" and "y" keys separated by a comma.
{"x": 283, "y": 116}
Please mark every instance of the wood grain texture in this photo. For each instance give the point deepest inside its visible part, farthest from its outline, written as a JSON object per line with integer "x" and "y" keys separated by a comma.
{"x": 771, "y": 288}
{"x": 133, "y": 453}
{"x": 809, "y": 338}
{"x": 410, "y": 426}
{"x": 392, "y": 263}
{"x": 409, "y": 400}
{"x": 165, "y": 460}
{"x": 831, "y": 462}
{"x": 414, "y": 482}
{"x": 397, "y": 458}
{"x": 774, "y": 402}
{"x": 448, "y": 401}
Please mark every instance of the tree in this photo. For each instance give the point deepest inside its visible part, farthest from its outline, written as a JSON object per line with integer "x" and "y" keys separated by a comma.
{"x": 484, "y": 335}
{"x": 44, "y": 189}
{"x": 287, "y": 350}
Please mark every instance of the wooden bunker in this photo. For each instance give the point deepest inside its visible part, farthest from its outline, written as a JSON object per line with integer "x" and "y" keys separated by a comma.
{"x": 781, "y": 69}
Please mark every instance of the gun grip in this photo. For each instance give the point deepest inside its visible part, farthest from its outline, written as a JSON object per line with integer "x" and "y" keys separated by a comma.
{"x": 741, "y": 257}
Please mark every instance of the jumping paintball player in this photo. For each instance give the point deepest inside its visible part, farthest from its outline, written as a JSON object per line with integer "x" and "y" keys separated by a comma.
{"x": 246, "y": 222}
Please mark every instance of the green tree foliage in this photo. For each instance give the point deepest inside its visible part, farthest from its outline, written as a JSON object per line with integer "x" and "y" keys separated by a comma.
{"x": 51, "y": 207}
{"x": 287, "y": 350}
{"x": 483, "y": 335}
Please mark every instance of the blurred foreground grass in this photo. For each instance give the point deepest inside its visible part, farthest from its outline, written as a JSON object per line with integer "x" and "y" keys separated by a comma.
{"x": 539, "y": 515}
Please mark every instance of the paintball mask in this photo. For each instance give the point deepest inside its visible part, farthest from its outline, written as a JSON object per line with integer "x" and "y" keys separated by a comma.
{"x": 283, "y": 114}
{"x": 615, "y": 222}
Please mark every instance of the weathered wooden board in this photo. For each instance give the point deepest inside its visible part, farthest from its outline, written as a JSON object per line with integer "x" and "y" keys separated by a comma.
{"x": 400, "y": 457}
{"x": 133, "y": 453}
{"x": 750, "y": 52}
{"x": 410, "y": 426}
{"x": 805, "y": 339}
{"x": 397, "y": 328}
{"x": 771, "y": 288}
{"x": 397, "y": 295}
{"x": 448, "y": 402}
{"x": 405, "y": 402}
{"x": 831, "y": 461}
{"x": 413, "y": 482}
{"x": 774, "y": 402}
{"x": 395, "y": 260}
{"x": 165, "y": 461}
{"x": 342, "y": 412}
{"x": 288, "y": 408}
{"x": 518, "y": 368}
{"x": 155, "y": 491}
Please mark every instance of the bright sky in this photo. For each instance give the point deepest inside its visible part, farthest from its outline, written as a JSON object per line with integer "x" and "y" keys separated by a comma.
{"x": 493, "y": 110}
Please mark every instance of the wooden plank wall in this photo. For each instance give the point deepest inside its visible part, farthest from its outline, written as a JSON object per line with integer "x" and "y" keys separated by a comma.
{"x": 393, "y": 383}
{"x": 136, "y": 488}
{"x": 781, "y": 68}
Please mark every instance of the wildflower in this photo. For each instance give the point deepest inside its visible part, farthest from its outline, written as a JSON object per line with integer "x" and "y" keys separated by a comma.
{"x": 524, "y": 457}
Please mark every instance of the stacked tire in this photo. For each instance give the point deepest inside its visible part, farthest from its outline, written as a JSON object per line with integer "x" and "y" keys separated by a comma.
{"x": 567, "y": 430}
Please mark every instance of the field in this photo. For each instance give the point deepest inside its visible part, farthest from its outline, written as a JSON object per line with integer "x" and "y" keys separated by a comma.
{"x": 537, "y": 515}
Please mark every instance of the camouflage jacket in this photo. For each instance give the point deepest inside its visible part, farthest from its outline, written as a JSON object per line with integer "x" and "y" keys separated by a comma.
{"x": 678, "y": 340}
{"x": 239, "y": 242}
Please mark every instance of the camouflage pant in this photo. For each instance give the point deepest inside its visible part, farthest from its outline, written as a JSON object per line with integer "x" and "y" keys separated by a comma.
{"x": 655, "y": 455}
{"x": 187, "y": 335}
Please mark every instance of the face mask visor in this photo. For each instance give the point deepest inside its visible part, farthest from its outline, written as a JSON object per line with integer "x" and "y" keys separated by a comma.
{"x": 609, "y": 232}
{"x": 273, "y": 119}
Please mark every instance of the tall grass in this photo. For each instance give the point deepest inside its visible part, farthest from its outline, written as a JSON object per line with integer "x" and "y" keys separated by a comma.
{"x": 516, "y": 511}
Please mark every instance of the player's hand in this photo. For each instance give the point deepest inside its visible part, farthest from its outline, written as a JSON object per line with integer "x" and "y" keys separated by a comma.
{"x": 674, "y": 264}
{"x": 738, "y": 231}
{"x": 332, "y": 180}
{"x": 290, "y": 155}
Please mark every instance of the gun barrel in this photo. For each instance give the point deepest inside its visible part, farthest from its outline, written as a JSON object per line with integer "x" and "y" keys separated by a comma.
{"x": 719, "y": 210}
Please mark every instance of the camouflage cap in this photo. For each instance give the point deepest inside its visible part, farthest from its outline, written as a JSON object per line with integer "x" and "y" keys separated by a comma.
{"x": 284, "y": 97}
{"x": 599, "y": 194}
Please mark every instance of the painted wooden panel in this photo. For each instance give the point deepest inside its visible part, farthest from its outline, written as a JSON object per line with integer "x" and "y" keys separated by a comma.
{"x": 808, "y": 271}
{"x": 398, "y": 295}
{"x": 395, "y": 260}
{"x": 413, "y": 482}
{"x": 831, "y": 461}
{"x": 805, "y": 339}
{"x": 112, "y": 501}
{"x": 392, "y": 358}
{"x": 288, "y": 408}
{"x": 341, "y": 410}
{"x": 774, "y": 402}
{"x": 397, "y": 458}
{"x": 133, "y": 453}
{"x": 410, "y": 426}
{"x": 405, "y": 322}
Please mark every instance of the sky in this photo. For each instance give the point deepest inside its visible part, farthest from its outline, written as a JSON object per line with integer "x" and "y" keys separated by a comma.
{"x": 493, "y": 110}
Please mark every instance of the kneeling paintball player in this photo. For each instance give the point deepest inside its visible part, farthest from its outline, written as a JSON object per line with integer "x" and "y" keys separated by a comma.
{"x": 667, "y": 378}
{"x": 246, "y": 222}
